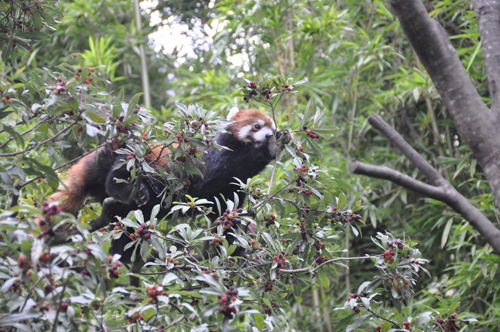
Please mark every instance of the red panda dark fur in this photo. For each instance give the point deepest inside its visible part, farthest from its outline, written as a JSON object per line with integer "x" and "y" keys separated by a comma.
{"x": 251, "y": 140}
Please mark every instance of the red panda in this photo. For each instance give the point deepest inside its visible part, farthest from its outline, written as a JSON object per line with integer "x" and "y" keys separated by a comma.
{"x": 251, "y": 142}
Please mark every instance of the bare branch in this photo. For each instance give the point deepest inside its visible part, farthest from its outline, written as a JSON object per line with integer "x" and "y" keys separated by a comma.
{"x": 488, "y": 19}
{"x": 475, "y": 122}
{"x": 403, "y": 146}
{"x": 386, "y": 173}
{"x": 443, "y": 191}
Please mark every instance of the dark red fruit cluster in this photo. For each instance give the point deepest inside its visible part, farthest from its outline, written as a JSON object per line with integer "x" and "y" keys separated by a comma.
{"x": 398, "y": 243}
{"x": 60, "y": 87}
{"x": 116, "y": 143}
{"x": 450, "y": 324}
{"x": 47, "y": 288}
{"x": 154, "y": 292}
{"x": 339, "y": 217}
{"x": 304, "y": 231}
{"x": 310, "y": 133}
{"x": 389, "y": 255}
{"x": 216, "y": 241}
{"x": 137, "y": 316}
{"x": 50, "y": 209}
{"x": 286, "y": 87}
{"x": 143, "y": 232}
{"x": 378, "y": 328}
{"x": 7, "y": 99}
{"x": 122, "y": 129}
{"x": 192, "y": 151}
{"x": 229, "y": 296}
{"x": 78, "y": 73}
{"x": 64, "y": 307}
{"x": 17, "y": 286}
{"x": 253, "y": 91}
{"x": 281, "y": 260}
{"x": 113, "y": 270}
{"x": 407, "y": 325}
{"x": 229, "y": 219}
{"x": 355, "y": 296}
{"x": 319, "y": 259}
{"x": 319, "y": 245}
{"x": 270, "y": 220}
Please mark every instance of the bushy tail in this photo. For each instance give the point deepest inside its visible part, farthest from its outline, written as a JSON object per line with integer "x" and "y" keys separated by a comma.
{"x": 74, "y": 191}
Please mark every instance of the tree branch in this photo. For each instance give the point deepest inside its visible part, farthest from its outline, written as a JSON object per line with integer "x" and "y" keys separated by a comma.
{"x": 475, "y": 122}
{"x": 65, "y": 129}
{"x": 443, "y": 191}
{"x": 405, "y": 181}
{"x": 410, "y": 153}
{"x": 488, "y": 19}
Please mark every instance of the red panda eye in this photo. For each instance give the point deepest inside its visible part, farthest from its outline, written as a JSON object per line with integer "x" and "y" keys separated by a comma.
{"x": 257, "y": 126}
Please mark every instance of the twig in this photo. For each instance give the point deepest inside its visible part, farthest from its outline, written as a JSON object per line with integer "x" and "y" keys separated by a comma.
{"x": 11, "y": 154}
{"x": 58, "y": 310}
{"x": 383, "y": 318}
{"x": 308, "y": 269}
{"x": 21, "y": 185}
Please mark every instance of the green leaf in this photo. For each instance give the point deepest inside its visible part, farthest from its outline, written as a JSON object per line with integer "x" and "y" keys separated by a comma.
{"x": 324, "y": 278}
{"x": 259, "y": 321}
{"x": 446, "y": 232}
{"x": 95, "y": 117}
{"x": 133, "y": 103}
{"x": 341, "y": 201}
{"x": 357, "y": 323}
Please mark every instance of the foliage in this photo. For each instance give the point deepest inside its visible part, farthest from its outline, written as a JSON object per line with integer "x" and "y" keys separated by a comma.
{"x": 298, "y": 227}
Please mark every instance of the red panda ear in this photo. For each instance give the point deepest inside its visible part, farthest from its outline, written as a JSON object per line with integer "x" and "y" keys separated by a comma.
{"x": 232, "y": 112}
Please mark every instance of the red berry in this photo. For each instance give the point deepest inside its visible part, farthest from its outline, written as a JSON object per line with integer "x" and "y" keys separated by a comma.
{"x": 92, "y": 69}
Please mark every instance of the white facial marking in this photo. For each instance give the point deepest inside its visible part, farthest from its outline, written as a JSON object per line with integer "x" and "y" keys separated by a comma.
{"x": 243, "y": 133}
{"x": 232, "y": 112}
{"x": 261, "y": 122}
{"x": 261, "y": 135}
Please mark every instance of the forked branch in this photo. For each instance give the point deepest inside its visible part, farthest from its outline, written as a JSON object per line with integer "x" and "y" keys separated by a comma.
{"x": 442, "y": 190}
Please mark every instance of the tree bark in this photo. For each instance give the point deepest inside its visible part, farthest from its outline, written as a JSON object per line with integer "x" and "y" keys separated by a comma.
{"x": 488, "y": 19}
{"x": 442, "y": 190}
{"x": 475, "y": 122}
{"x": 477, "y": 125}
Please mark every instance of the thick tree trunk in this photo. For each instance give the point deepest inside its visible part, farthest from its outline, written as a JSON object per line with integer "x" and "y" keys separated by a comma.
{"x": 477, "y": 124}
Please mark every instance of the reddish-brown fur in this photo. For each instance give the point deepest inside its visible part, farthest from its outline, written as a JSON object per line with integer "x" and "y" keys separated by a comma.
{"x": 73, "y": 188}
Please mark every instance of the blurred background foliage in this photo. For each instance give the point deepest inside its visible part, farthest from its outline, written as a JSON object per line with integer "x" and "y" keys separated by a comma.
{"x": 356, "y": 62}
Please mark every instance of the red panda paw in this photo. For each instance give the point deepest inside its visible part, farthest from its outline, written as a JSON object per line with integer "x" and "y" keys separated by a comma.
{"x": 283, "y": 137}
{"x": 142, "y": 197}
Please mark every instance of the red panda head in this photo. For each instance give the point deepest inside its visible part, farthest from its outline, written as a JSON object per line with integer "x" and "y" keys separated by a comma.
{"x": 251, "y": 125}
